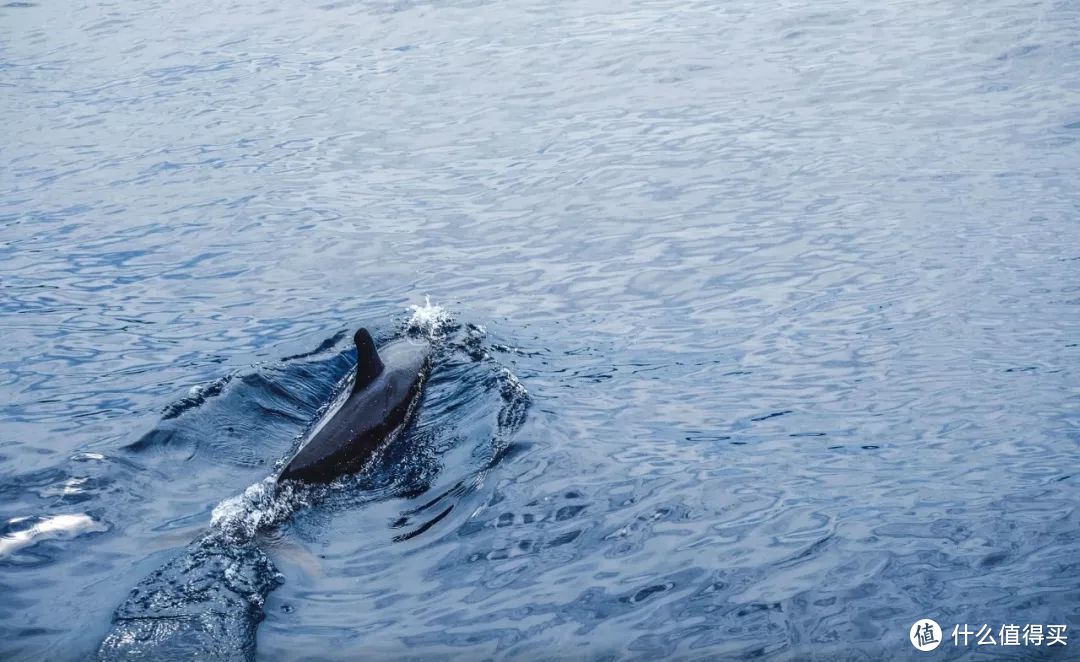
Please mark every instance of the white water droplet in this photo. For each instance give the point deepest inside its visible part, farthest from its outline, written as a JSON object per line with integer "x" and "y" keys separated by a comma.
{"x": 428, "y": 319}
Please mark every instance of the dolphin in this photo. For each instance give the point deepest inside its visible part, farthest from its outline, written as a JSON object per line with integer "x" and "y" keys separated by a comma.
{"x": 386, "y": 385}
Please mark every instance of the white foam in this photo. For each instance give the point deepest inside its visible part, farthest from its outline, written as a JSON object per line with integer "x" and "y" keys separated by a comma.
{"x": 512, "y": 382}
{"x": 58, "y": 526}
{"x": 261, "y": 505}
{"x": 428, "y": 319}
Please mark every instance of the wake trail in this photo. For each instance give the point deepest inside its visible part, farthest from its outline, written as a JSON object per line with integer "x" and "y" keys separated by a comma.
{"x": 207, "y": 601}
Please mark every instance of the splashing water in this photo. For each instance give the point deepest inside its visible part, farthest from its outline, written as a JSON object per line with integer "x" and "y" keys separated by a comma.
{"x": 429, "y": 320}
{"x": 261, "y": 505}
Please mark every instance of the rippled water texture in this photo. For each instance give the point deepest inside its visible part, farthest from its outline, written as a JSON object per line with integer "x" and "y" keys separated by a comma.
{"x": 792, "y": 287}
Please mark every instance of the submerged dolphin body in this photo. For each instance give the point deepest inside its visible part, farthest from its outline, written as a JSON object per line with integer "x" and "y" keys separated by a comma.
{"x": 382, "y": 394}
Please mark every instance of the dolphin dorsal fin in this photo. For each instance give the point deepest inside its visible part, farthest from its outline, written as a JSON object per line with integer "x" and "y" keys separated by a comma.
{"x": 368, "y": 363}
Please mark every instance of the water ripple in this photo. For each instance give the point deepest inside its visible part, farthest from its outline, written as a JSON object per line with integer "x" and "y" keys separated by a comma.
{"x": 792, "y": 288}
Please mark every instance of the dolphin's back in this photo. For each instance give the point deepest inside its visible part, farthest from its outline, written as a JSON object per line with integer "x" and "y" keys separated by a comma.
{"x": 370, "y": 413}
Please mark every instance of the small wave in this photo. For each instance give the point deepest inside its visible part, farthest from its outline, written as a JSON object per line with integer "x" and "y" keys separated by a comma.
{"x": 324, "y": 346}
{"x": 198, "y": 394}
{"x": 516, "y": 397}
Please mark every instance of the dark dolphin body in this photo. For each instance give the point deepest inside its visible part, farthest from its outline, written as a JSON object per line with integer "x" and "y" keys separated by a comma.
{"x": 382, "y": 394}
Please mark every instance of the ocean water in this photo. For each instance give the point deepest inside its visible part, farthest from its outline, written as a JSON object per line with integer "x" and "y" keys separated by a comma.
{"x": 758, "y": 326}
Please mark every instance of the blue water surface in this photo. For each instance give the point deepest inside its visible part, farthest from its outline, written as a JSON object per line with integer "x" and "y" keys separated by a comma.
{"x": 793, "y": 290}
